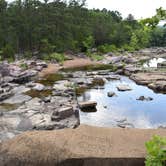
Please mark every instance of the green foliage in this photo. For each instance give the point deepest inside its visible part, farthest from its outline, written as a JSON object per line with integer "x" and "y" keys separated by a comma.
{"x": 24, "y": 66}
{"x": 134, "y": 42}
{"x": 156, "y": 149}
{"x": 55, "y": 56}
{"x": 107, "y": 48}
{"x": 96, "y": 57}
{"x": 88, "y": 43}
{"x": 8, "y": 52}
{"x": 57, "y": 26}
{"x": 46, "y": 47}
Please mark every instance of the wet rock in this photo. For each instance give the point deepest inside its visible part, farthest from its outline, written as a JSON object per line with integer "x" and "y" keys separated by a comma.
{"x": 124, "y": 87}
{"x": 143, "y": 98}
{"x": 111, "y": 94}
{"x": 88, "y": 106}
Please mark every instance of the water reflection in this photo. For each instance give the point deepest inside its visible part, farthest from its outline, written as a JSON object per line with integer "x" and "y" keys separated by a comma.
{"x": 141, "y": 114}
{"x": 153, "y": 62}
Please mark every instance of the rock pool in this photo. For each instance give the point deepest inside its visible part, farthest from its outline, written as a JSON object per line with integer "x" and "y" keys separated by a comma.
{"x": 124, "y": 109}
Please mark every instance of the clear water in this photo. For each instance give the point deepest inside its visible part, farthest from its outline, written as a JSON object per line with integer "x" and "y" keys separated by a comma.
{"x": 153, "y": 62}
{"x": 142, "y": 114}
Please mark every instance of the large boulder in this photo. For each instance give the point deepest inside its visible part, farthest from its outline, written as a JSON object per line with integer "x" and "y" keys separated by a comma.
{"x": 84, "y": 146}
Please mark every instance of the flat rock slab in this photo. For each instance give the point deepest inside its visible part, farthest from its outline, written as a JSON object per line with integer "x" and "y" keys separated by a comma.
{"x": 99, "y": 146}
{"x": 124, "y": 87}
{"x": 17, "y": 99}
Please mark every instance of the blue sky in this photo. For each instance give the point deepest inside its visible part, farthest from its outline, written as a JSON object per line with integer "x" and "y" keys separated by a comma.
{"x": 139, "y": 8}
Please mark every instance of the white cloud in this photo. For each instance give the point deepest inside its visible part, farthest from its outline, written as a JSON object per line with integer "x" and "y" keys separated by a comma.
{"x": 139, "y": 8}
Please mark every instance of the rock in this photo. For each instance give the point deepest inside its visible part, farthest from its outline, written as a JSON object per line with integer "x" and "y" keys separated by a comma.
{"x": 124, "y": 87}
{"x": 154, "y": 80}
{"x": 111, "y": 94}
{"x": 24, "y": 76}
{"x": 38, "y": 87}
{"x": 62, "y": 113}
{"x": 62, "y": 85}
{"x": 4, "y": 70}
{"x": 24, "y": 125}
{"x": 88, "y": 106}
{"x": 17, "y": 99}
{"x": 113, "y": 77}
{"x": 84, "y": 146}
{"x": 143, "y": 98}
{"x": 20, "y": 89}
{"x": 5, "y": 95}
{"x": 161, "y": 65}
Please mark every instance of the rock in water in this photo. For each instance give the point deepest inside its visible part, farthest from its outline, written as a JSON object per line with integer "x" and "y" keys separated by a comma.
{"x": 124, "y": 87}
{"x": 111, "y": 94}
{"x": 88, "y": 106}
{"x": 143, "y": 98}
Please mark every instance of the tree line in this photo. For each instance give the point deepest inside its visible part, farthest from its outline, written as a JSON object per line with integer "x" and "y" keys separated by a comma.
{"x": 33, "y": 27}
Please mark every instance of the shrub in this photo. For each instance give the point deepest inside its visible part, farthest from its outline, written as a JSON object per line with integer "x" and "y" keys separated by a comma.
{"x": 7, "y": 53}
{"x": 156, "y": 149}
{"x": 96, "y": 57}
{"x": 46, "y": 47}
{"x": 55, "y": 56}
{"x": 24, "y": 66}
{"x": 107, "y": 48}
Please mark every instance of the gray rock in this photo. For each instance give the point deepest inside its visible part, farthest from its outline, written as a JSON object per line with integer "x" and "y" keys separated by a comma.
{"x": 62, "y": 113}
{"x": 39, "y": 87}
{"x": 17, "y": 99}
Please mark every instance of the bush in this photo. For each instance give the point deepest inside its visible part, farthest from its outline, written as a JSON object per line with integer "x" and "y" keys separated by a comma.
{"x": 46, "y": 47}
{"x": 7, "y": 53}
{"x": 96, "y": 57}
{"x": 55, "y": 56}
{"x": 156, "y": 149}
{"x": 24, "y": 66}
{"x": 107, "y": 48}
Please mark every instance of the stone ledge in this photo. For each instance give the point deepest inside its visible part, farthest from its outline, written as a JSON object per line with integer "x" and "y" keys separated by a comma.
{"x": 84, "y": 146}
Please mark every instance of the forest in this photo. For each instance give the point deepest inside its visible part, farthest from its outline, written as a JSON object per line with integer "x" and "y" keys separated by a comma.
{"x": 33, "y": 27}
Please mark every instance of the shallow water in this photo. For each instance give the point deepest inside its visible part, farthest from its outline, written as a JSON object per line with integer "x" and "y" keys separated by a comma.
{"x": 142, "y": 114}
{"x": 153, "y": 62}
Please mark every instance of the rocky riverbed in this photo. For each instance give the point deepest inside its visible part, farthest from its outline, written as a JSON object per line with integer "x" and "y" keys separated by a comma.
{"x": 31, "y": 102}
